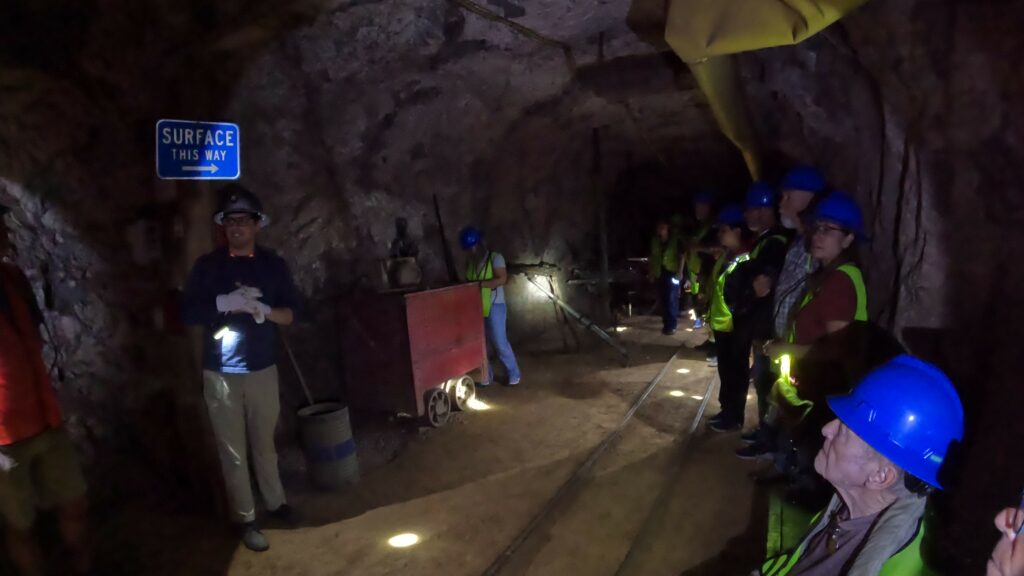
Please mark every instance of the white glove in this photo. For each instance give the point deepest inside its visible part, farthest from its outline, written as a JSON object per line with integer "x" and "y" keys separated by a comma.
{"x": 233, "y": 302}
{"x": 249, "y": 292}
{"x": 259, "y": 310}
{"x": 237, "y": 301}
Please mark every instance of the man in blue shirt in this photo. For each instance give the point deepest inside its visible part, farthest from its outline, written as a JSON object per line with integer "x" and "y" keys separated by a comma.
{"x": 238, "y": 294}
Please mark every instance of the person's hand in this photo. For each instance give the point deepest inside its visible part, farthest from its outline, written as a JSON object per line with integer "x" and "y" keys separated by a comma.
{"x": 6, "y": 462}
{"x": 237, "y": 301}
{"x": 249, "y": 292}
{"x": 232, "y": 303}
{"x": 1008, "y": 556}
{"x": 258, "y": 309}
{"x": 762, "y": 285}
{"x": 774, "y": 349}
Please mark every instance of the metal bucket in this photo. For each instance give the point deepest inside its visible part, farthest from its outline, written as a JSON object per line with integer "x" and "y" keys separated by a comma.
{"x": 328, "y": 445}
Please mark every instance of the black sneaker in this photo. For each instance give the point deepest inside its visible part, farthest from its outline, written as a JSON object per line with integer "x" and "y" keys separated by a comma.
{"x": 716, "y": 417}
{"x": 668, "y": 332}
{"x": 253, "y": 539}
{"x": 754, "y": 452}
{"x": 283, "y": 513}
{"x": 751, "y": 437}
{"x": 725, "y": 425}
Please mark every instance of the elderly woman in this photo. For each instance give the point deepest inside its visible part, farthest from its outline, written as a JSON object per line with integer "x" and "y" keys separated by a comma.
{"x": 882, "y": 455}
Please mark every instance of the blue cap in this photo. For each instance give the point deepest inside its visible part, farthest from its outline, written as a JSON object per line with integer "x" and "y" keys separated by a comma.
{"x": 704, "y": 197}
{"x": 909, "y": 412}
{"x": 760, "y": 195}
{"x": 838, "y": 207}
{"x": 806, "y": 178}
{"x": 731, "y": 215}
{"x": 469, "y": 237}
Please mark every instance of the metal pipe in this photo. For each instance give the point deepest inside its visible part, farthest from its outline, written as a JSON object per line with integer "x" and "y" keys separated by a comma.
{"x": 583, "y": 320}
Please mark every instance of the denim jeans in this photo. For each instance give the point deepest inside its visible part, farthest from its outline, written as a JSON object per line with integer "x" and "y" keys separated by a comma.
{"x": 497, "y": 341}
{"x": 668, "y": 288}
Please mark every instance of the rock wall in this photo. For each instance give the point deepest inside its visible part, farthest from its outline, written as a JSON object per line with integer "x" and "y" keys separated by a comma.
{"x": 915, "y": 108}
{"x": 352, "y": 114}
{"x": 356, "y": 112}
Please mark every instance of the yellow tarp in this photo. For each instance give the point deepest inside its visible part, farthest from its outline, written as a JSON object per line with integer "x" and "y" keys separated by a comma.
{"x": 705, "y": 33}
{"x": 698, "y": 29}
{"x": 718, "y": 79}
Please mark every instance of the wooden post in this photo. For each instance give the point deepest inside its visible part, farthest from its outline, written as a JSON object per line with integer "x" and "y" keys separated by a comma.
{"x": 602, "y": 227}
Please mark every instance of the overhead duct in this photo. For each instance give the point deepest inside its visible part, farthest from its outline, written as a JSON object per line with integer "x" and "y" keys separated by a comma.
{"x": 706, "y": 33}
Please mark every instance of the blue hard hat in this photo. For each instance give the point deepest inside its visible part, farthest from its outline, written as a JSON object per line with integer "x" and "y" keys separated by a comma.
{"x": 760, "y": 195}
{"x": 909, "y": 412}
{"x": 806, "y": 178}
{"x": 731, "y": 215}
{"x": 838, "y": 207}
{"x": 704, "y": 197}
{"x": 469, "y": 237}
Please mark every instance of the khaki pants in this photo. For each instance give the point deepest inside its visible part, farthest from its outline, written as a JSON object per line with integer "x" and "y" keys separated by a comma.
{"x": 243, "y": 411}
{"x": 39, "y": 471}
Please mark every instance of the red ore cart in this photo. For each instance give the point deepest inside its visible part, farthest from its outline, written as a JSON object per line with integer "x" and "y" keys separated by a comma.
{"x": 414, "y": 353}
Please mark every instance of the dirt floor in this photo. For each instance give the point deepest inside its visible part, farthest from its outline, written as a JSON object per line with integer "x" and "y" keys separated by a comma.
{"x": 659, "y": 500}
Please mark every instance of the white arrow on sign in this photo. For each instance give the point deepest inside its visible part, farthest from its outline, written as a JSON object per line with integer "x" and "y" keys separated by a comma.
{"x": 211, "y": 169}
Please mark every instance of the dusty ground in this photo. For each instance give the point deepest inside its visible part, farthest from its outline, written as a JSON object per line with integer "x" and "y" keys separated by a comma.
{"x": 468, "y": 489}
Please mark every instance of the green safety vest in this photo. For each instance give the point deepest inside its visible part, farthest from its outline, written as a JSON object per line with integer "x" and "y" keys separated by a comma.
{"x": 667, "y": 258}
{"x": 474, "y": 275}
{"x": 764, "y": 241}
{"x": 906, "y": 562}
{"x": 859, "y": 315}
{"x": 693, "y": 261}
{"x": 721, "y": 316}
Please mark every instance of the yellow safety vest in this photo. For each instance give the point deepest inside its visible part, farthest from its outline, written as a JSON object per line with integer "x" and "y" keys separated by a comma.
{"x": 664, "y": 257}
{"x": 693, "y": 261}
{"x": 783, "y": 387}
{"x": 474, "y": 275}
{"x": 859, "y": 315}
{"x": 764, "y": 241}
{"x": 721, "y": 316}
{"x": 906, "y": 562}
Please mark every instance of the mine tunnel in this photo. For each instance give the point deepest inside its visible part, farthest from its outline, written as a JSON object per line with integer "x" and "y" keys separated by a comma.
{"x": 500, "y": 287}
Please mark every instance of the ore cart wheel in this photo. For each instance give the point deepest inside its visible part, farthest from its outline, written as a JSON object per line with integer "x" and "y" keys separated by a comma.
{"x": 438, "y": 407}
{"x": 462, "y": 391}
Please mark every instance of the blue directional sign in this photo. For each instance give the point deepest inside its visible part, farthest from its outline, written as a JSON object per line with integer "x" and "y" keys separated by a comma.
{"x": 190, "y": 150}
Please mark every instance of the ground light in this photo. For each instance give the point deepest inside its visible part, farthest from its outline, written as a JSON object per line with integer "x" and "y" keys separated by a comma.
{"x": 689, "y": 329}
{"x": 677, "y": 393}
{"x": 403, "y": 540}
{"x": 695, "y": 397}
{"x": 478, "y": 405}
{"x": 683, "y": 371}
{"x": 621, "y": 328}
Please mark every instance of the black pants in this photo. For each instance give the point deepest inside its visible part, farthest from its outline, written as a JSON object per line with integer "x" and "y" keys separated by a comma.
{"x": 733, "y": 372}
{"x": 764, "y": 376}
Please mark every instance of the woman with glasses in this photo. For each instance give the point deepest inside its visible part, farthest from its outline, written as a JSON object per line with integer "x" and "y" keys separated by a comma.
{"x": 834, "y": 298}
{"x": 1008, "y": 556}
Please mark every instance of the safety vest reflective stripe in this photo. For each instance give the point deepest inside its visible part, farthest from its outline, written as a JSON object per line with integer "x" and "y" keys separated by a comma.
{"x": 760, "y": 245}
{"x": 853, "y": 272}
{"x": 474, "y": 275}
{"x": 721, "y": 316}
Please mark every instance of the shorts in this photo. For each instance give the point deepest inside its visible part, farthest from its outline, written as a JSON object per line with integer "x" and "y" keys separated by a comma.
{"x": 41, "y": 471}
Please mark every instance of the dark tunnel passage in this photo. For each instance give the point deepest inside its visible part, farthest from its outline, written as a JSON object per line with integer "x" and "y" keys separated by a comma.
{"x": 562, "y": 130}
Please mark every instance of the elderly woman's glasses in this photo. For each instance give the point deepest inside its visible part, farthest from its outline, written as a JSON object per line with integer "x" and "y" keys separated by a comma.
{"x": 825, "y": 229}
